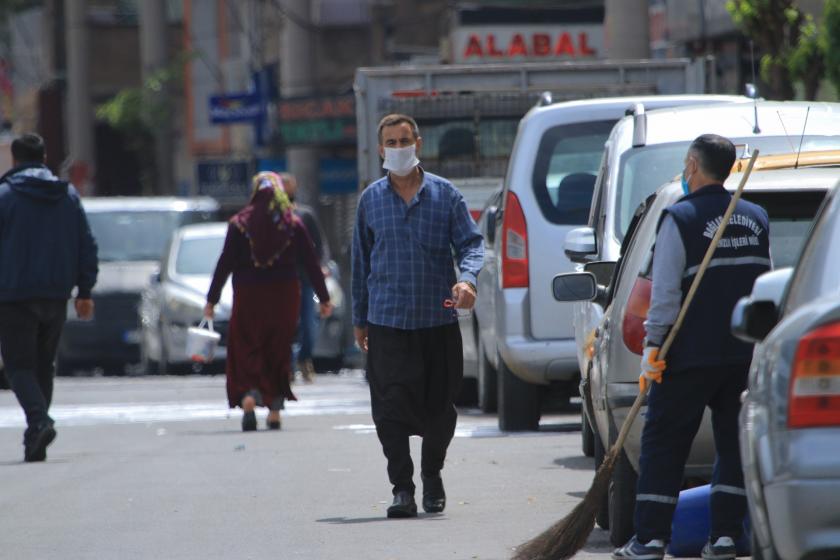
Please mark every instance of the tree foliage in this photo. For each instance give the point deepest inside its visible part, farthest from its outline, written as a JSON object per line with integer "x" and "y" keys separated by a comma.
{"x": 831, "y": 42}
{"x": 795, "y": 47}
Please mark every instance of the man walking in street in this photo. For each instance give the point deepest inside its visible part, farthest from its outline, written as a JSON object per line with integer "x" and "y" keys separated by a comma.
{"x": 405, "y": 297}
{"x": 706, "y": 365}
{"x": 308, "y": 323}
{"x": 46, "y": 249}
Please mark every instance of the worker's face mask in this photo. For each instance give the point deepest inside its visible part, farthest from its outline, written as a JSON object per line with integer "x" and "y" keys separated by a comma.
{"x": 685, "y": 186}
{"x": 401, "y": 161}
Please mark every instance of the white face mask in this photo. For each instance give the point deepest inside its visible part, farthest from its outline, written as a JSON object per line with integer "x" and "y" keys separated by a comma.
{"x": 401, "y": 161}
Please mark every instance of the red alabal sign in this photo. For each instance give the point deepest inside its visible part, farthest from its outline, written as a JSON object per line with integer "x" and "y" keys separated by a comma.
{"x": 495, "y": 43}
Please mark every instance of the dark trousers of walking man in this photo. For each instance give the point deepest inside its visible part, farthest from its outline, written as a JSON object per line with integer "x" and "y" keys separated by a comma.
{"x": 414, "y": 376}
{"x": 29, "y": 335}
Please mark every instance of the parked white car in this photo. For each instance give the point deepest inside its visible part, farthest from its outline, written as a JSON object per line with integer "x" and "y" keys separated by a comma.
{"x": 526, "y": 339}
{"x": 646, "y": 149}
{"x": 791, "y": 198}
{"x": 790, "y": 420}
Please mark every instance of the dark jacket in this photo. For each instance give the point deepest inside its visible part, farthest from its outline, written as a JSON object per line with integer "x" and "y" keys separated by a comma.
{"x": 46, "y": 247}
{"x": 742, "y": 255}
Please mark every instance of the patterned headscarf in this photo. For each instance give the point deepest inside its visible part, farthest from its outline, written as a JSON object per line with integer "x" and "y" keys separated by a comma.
{"x": 267, "y": 219}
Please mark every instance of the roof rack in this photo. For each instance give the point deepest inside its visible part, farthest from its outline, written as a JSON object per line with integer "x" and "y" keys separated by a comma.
{"x": 790, "y": 160}
{"x": 639, "y": 124}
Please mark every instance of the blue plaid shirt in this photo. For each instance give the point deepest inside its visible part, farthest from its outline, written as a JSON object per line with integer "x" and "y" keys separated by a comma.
{"x": 402, "y": 254}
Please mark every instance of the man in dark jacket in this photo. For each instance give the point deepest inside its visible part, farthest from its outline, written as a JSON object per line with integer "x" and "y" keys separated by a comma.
{"x": 308, "y": 323}
{"x": 46, "y": 249}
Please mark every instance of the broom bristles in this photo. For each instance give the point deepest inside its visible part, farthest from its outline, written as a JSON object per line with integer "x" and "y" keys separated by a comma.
{"x": 566, "y": 537}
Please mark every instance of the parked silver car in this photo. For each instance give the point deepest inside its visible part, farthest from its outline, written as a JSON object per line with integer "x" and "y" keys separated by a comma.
{"x": 526, "y": 338}
{"x": 174, "y": 301}
{"x": 790, "y": 420}
{"x": 791, "y": 198}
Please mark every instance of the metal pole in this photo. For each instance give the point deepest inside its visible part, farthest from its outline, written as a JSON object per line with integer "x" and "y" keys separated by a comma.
{"x": 153, "y": 48}
{"x": 296, "y": 80}
{"x": 79, "y": 113}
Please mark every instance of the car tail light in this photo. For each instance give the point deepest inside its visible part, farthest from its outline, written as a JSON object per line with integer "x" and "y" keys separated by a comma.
{"x": 514, "y": 245}
{"x": 633, "y": 324}
{"x": 814, "y": 398}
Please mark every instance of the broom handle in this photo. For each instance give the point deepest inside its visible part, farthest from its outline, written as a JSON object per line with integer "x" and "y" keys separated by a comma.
{"x": 637, "y": 404}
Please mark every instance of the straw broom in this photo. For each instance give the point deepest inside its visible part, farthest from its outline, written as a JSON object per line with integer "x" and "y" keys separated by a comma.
{"x": 566, "y": 537}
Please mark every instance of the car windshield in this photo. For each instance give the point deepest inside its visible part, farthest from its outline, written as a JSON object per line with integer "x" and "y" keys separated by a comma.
{"x": 643, "y": 170}
{"x": 819, "y": 267}
{"x": 137, "y": 235}
{"x": 198, "y": 255}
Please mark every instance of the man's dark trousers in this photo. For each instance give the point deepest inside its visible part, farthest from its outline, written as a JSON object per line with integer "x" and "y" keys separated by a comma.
{"x": 29, "y": 335}
{"x": 414, "y": 377}
{"x": 674, "y": 412}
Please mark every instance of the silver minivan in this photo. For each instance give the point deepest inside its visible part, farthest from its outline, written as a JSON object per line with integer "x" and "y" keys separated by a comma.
{"x": 526, "y": 339}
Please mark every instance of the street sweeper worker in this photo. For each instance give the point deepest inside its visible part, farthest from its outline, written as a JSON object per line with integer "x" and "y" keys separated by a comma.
{"x": 706, "y": 365}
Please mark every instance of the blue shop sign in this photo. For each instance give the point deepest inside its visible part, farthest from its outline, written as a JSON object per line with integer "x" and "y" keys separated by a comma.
{"x": 236, "y": 108}
{"x": 338, "y": 176}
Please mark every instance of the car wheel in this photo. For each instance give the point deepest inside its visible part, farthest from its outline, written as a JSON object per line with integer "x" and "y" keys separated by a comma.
{"x": 587, "y": 436}
{"x": 622, "y": 498}
{"x": 602, "y": 518}
{"x": 488, "y": 390}
{"x": 519, "y": 402}
{"x": 64, "y": 368}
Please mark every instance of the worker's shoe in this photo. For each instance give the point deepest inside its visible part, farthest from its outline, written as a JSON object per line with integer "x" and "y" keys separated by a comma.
{"x": 434, "y": 496}
{"x": 653, "y": 550}
{"x": 722, "y": 549}
{"x": 403, "y": 506}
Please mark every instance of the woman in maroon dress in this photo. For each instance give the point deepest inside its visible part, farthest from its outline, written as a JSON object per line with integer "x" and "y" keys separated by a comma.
{"x": 264, "y": 244}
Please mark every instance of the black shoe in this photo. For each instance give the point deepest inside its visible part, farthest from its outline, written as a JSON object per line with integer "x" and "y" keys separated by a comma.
{"x": 249, "y": 422}
{"x": 272, "y": 424}
{"x": 404, "y": 506}
{"x": 434, "y": 497}
{"x": 36, "y": 450}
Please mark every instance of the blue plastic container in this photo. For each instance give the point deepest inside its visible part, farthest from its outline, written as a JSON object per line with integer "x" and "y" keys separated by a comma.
{"x": 690, "y": 528}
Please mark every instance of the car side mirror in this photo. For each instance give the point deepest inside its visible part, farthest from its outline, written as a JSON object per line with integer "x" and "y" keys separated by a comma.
{"x": 580, "y": 245}
{"x": 753, "y": 320}
{"x": 155, "y": 278}
{"x": 490, "y": 224}
{"x": 574, "y": 286}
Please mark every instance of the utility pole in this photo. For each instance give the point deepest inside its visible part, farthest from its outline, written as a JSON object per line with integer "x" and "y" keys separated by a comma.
{"x": 627, "y": 29}
{"x": 153, "y": 50}
{"x": 79, "y": 113}
{"x": 297, "y": 78}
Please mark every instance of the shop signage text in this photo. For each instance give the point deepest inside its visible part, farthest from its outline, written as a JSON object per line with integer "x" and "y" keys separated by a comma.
{"x": 533, "y": 43}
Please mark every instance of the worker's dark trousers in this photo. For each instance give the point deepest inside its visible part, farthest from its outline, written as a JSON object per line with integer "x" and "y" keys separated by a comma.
{"x": 674, "y": 411}
{"x": 29, "y": 335}
{"x": 414, "y": 377}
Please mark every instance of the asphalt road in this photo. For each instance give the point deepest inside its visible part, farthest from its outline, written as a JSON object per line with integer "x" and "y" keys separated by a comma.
{"x": 158, "y": 467}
